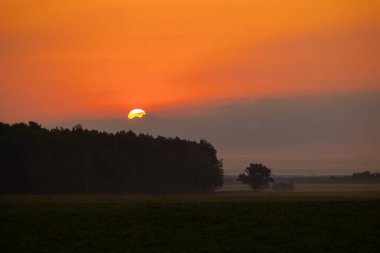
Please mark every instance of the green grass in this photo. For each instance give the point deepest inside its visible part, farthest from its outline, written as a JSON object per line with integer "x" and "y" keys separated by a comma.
{"x": 223, "y": 222}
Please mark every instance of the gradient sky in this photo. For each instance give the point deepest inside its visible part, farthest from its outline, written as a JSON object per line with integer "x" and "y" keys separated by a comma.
{"x": 203, "y": 62}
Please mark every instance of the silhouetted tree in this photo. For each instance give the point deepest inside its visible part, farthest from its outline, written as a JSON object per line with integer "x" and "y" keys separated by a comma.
{"x": 258, "y": 176}
{"x": 60, "y": 161}
{"x": 34, "y": 125}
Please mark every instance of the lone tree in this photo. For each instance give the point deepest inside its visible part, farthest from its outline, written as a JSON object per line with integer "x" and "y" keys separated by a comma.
{"x": 258, "y": 176}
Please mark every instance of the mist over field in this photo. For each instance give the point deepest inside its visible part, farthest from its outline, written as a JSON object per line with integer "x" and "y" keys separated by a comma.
{"x": 307, "y": 135}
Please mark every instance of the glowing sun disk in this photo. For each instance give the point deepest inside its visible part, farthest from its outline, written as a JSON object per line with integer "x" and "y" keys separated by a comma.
{"x": 136, "y": 113}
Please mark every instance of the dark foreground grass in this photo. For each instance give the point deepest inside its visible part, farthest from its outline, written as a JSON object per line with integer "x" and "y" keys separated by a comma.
{"x": 218, "y": 223}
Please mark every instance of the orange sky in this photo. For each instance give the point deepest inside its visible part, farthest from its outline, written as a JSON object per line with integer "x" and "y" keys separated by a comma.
{"x": 79, "y": 59}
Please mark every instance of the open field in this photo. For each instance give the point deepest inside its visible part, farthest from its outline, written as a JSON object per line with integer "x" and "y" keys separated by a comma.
{"x": 312, "y": 187}
{"x": 220, "y": 222}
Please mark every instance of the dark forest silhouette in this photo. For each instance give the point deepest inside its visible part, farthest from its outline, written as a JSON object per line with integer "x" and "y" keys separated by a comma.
{"x": 61, "y": 161}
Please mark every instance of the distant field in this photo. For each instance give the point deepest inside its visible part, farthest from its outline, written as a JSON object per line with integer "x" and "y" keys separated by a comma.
{"x": 312, "y": 187}
{"x": 220, "y": 222}
{"x": 336, "y": 187}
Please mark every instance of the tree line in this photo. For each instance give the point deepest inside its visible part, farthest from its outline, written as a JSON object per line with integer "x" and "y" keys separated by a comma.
{"x": 364, "y": 177}
{"x": 37, "y": 160}
{"x": 259, "y": 177}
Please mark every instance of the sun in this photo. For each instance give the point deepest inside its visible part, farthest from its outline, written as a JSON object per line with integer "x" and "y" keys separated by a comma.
{"x": 139, "y": 113}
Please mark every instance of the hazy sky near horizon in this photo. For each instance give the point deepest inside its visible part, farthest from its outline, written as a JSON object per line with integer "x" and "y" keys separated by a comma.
{"x": 309, "y": 135}
{"x": 294, "y": 84}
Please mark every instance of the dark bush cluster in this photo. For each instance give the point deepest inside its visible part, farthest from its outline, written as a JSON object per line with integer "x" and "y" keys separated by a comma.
{"x": 77, "y": 161}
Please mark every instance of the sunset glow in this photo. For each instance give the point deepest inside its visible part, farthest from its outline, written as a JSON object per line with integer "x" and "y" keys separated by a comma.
{"x": 69, "y": 59}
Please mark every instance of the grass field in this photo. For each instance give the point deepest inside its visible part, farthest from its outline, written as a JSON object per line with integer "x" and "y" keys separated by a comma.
{"x": 221, "y": 222}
